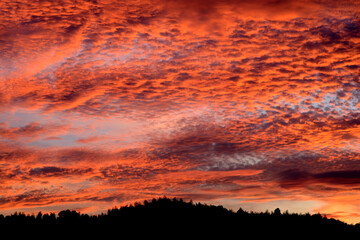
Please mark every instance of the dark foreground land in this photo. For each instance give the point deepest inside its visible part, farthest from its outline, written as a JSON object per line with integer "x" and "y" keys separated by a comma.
{"x": 175, "y": 218}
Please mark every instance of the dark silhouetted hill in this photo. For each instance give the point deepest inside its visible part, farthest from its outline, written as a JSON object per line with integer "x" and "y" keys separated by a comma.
{"x": 178, "y": 217}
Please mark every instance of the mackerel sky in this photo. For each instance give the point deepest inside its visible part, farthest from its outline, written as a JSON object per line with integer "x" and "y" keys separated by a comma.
{"x": 251, "y": 104}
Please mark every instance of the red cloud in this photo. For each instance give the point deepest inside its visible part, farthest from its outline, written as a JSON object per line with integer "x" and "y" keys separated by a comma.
{"x": 31, "y": 130}
{"x": 204, "y": 99}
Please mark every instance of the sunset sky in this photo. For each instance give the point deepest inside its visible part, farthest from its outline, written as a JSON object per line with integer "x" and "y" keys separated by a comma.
{"x": 252, "y": 104}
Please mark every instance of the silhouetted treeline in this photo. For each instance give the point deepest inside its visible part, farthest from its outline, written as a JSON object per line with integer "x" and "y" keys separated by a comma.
{"x": 176, "y": 215}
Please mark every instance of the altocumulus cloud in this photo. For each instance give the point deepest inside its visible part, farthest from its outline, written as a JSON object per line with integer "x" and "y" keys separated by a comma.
{"x": 209, "y": 100}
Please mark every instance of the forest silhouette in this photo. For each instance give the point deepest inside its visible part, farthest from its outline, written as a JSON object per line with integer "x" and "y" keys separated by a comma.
{"x": 179, "y": 216}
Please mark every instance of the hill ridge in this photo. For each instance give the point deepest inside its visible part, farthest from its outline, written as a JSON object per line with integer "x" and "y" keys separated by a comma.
{"x": 175, "y": 214}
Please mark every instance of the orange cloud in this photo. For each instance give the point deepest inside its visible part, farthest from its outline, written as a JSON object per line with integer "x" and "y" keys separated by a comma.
{"x": 111, "y": 102}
